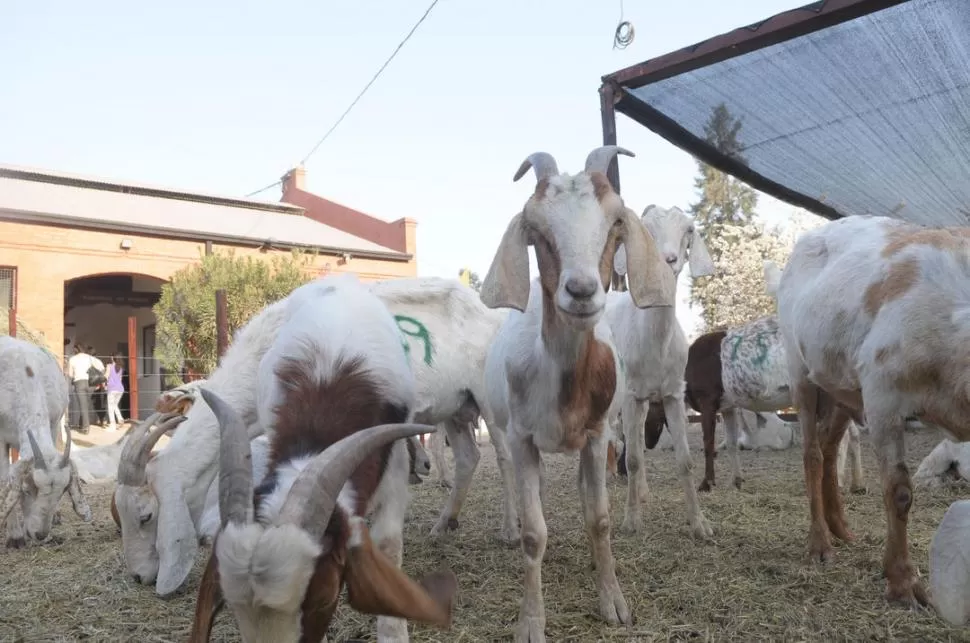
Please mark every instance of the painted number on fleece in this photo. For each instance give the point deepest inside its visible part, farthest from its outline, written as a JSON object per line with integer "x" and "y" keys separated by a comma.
{"x": 760, "y": 342}
{"x": 411, "y": 327}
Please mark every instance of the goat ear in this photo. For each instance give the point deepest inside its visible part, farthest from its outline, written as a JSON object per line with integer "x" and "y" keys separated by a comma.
{"x": 649, "y": 278}
{"x": 10, "y": 494}
{"x": 176, "y": 540}
{"x": 375, "y": 585}
{"x": 699, "y": 258}
{"x": 208, "y": 603}
{"x": 507, "y": 283}
{"x": 78, "y": 501}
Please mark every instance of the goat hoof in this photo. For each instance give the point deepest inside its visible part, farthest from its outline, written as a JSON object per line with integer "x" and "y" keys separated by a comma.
{"x": 701, "y": 528}
{"x": 631, "y": 524}
{"x": 705, "y": 485}
{"x": 822, "y": 554}
{"x": 737, "y": 482}
{"x": 859, "y": 490}
{"x": 614, "y": 609}
{"x": 530, "y": 630}
{"x": 16, "y": 543}
{"x": 510, "y": 536}
{"x": 908, "y": 593}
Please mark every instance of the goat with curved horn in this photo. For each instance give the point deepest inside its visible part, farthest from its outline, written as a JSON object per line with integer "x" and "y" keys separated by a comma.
{"x": 138, "y": 448}
{"x": 235, "y": 463}
{"x": 39, "y": 462}
{"x": 599, "y": 159}
{"x": 313, "y": 495}
{"x": 542, "y": 162}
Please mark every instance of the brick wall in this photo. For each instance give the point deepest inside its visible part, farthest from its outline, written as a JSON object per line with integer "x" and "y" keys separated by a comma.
{"x": 47, "y": 256}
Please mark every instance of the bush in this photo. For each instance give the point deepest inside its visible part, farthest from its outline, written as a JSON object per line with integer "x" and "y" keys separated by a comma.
{"x": 186, "y": 313}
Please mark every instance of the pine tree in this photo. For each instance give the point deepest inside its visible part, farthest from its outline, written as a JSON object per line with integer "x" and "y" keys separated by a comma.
{"x": 724, "y": 201}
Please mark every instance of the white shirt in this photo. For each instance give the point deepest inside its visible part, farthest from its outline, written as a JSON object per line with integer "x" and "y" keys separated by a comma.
{"x": 78, "y": 365}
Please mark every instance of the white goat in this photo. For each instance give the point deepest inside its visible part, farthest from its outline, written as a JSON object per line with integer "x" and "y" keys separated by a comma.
{"x": 33, "y": 399}
{"x": 336, "y": 369}
{"x": 948, "y": 463}
{"x": 161, "y": 505}
{"x": 950, "y": 564}
{"x": 896, "y": 344}
{"x": 653, "y": 348}
{"x": 553, "y": 377}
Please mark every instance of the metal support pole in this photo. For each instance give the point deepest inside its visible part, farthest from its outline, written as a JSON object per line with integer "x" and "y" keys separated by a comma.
{"x": 12, "y": 320}
{"x": 133, "y": 368}
{"x": 222, "y": 323}
{"x": 208, "y": 248}
{"x": 608, "y": 117}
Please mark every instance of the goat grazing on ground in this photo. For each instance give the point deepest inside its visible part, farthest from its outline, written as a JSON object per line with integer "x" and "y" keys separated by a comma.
{"x": 33, "y": 399}
{"x": 552, "y": 375}
{"x": 160, "y": 506}
{"x": 653, "y": 349}
{"x": 947, "y": 463}
{"x": 336, "y": 371}
{"x": 894, "y": 347}
{"x": 744, "y": 368}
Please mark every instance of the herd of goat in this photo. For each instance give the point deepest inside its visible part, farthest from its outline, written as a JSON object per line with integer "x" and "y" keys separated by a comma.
{"x": 294, "y": 456}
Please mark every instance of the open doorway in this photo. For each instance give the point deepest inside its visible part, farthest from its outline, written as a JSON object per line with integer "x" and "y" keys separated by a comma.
{"x": 96, "y": 312}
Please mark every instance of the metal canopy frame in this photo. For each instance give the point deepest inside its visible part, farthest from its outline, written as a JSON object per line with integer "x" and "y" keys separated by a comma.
{"x": 615, "y": 94}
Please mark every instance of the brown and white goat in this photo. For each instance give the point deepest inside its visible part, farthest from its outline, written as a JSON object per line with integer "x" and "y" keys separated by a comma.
{"x": 894, "y": 345}
{"x": 552, "y": 375}
{"x": 334, "y": 388}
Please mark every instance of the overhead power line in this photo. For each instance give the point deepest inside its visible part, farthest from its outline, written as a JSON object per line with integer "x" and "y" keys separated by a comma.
{"x": 371, "y": 81}
{"x": 271, "y": 185}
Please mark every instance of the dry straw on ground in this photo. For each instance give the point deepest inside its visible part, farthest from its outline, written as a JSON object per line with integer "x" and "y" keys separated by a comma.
{"x": 753, "y": 583}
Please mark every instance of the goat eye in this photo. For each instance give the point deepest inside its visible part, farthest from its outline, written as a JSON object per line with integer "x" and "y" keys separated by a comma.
{"x": 146, "y": 518}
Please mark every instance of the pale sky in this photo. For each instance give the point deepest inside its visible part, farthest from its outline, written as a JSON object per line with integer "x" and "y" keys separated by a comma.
{"x": 224, "y": 97}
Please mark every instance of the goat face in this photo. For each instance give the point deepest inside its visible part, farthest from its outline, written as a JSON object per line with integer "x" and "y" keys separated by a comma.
{"x": 138, "y": 505}
{"x": 678, "y": 240}
{"x": 282, "y": 580}
{"x": 576, "y": 223}
{"x": 42, "y": 483}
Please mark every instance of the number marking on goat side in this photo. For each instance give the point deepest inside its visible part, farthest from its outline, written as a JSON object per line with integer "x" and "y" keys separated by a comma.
{"x": 418, "y": 330}
{"x": 760, "y": 357}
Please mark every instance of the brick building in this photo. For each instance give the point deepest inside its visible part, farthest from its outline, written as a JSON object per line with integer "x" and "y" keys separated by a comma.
{"x": 78, "y": 255}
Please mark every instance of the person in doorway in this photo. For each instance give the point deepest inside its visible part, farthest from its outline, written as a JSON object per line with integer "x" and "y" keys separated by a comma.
{"x": 115, "y": 389}
{"x": 77, "y": 370}
{"x": 96, "y": 382}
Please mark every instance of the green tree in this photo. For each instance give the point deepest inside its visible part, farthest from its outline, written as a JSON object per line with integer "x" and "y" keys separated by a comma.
{"x": 724, "y": 201}
{"x": 186, "y": 312}
{"x": 474, "y": 281}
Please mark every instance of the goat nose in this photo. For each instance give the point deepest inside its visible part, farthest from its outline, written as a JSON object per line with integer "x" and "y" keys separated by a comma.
{"x": 671, "y": 257}
{"x": 137, "y": 578}
{"x": 581, "y": 287}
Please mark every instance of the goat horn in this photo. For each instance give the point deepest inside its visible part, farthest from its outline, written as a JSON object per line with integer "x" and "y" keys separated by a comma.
{"x": 138, "y": 448}
{"x": 235, "y": 463}
{"x": 313, "y": 495}
{"x": 542, "y": 162}
{"x": 38, "y": 455}
{"x": 599, "y": 159}
{"x": 66, "y": 456}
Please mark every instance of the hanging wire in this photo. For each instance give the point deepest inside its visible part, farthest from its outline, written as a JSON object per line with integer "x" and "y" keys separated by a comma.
{"x": 371, "y": 81}
{"x": 624, "y": 33}
{"x": 271, "y": 185}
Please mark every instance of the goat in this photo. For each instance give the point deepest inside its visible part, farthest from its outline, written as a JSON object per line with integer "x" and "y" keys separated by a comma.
{"x": 455, "y": 329}
{"x": 553, "y": 378}
{"x": 745, "y": 367}
{"x": 285, "y": 549}
{"x": 894, "y": 345}
{"x": 653, "y": 350}
{"x": 950, "y": 564}
{"x": 33, "y": 399}
{"x": 419, "y": 462}
{"x": 947, "y": 463}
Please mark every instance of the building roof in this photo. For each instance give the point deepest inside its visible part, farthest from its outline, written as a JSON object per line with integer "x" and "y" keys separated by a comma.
{"x": 41, "y": 196}
{"x": 846, "y": 106}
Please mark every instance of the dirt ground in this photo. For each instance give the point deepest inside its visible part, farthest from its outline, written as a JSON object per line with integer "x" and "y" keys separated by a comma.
{"x": 752, "y": 583}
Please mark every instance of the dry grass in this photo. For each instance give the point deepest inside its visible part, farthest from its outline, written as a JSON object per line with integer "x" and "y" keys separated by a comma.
{"x": 753, "y": 583}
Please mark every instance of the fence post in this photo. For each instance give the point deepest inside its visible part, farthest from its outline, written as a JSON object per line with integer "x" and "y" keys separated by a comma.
{"x": 12, "y": 321}
{"x": 133, "y": 368}
{"x": 222, "y": 323}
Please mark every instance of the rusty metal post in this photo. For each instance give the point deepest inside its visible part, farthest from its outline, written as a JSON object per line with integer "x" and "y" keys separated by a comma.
{"x": 608, "y": 117}
{"x": 133, "y": 368}
{"x": 222, "y": 323}
{"x": 208, "y": 248}
{"x": 12, "y": 321}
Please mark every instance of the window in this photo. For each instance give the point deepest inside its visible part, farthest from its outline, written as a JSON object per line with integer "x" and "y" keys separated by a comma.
{"x": 8, "y": 295}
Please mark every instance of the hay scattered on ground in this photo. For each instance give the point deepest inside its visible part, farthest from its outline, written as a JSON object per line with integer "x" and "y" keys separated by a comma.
{"x": 753, "y": 583}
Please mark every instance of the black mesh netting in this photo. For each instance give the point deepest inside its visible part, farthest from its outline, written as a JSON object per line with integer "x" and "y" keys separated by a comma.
{"x": 868, "y": 116}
